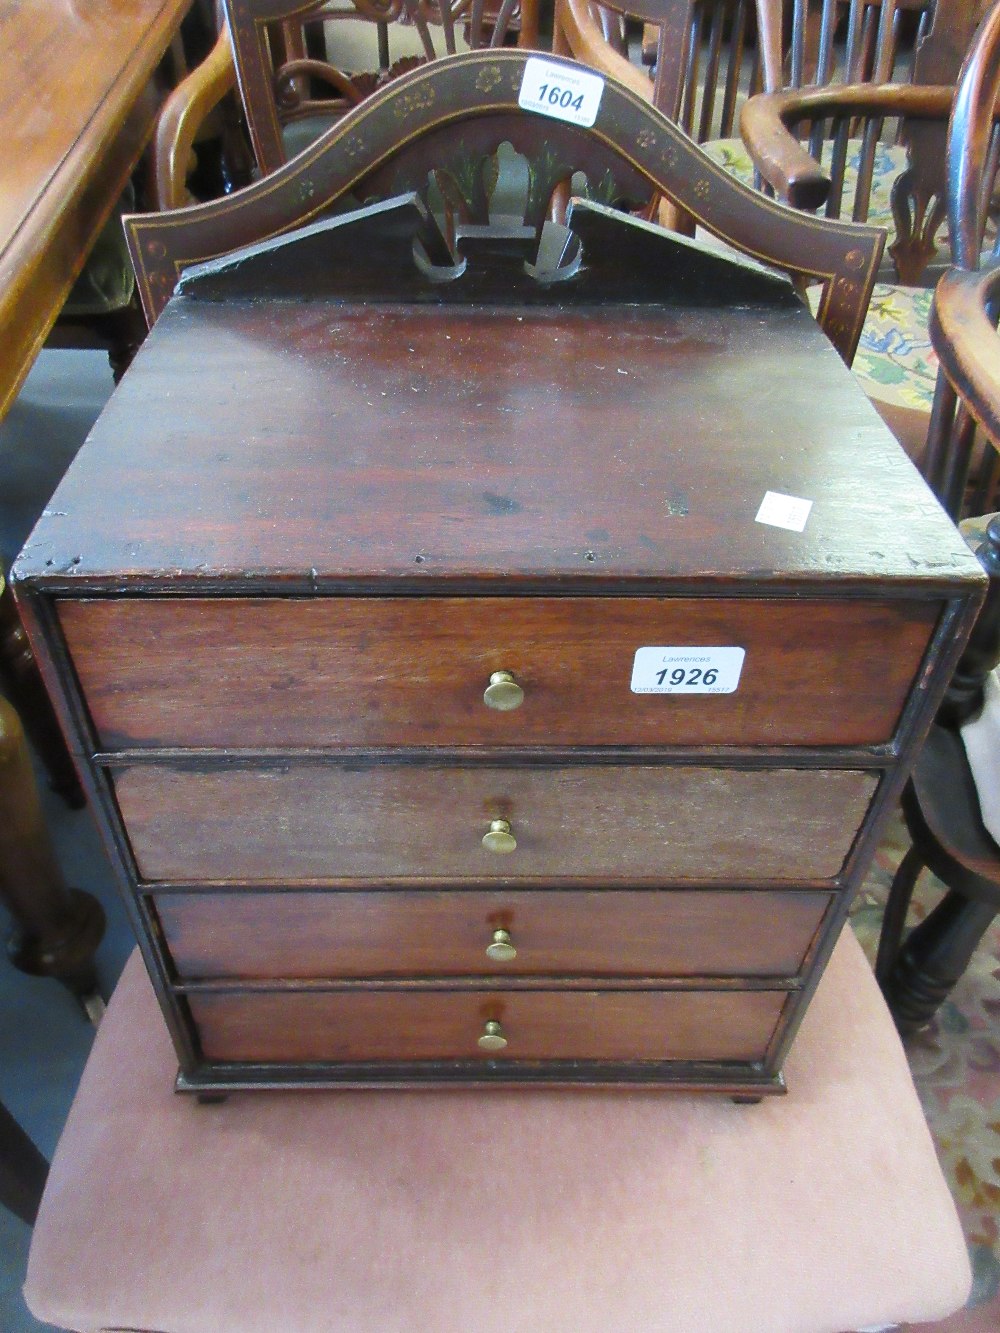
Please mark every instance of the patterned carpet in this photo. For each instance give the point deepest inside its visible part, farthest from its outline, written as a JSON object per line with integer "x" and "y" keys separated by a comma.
{"x": 956, "y": 1068}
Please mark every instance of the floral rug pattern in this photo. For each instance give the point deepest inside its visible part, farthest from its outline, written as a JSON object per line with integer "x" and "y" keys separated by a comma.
{"x": 956, "y": 1068}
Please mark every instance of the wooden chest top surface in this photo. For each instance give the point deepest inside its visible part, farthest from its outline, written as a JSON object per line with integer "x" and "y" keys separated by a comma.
{"x": 327, "y": 446}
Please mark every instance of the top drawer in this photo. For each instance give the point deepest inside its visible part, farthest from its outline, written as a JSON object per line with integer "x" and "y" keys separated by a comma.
{"x": 403, "y": 671}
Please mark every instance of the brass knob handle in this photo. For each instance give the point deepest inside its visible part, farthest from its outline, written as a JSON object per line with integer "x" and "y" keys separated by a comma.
{"x": 501, "y": 948}
{"x": 503, "y": 692}
{"x": 499, "y": 838}
{"x": 492, "y": 1038}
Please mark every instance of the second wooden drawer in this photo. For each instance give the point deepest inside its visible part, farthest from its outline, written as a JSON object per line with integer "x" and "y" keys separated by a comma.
{"x": 356, "y": 821}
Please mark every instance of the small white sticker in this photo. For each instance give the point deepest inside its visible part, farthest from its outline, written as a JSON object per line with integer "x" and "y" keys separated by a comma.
{"x": 563, "y": 93}
{"x": 687, "y": 670}
{"x": 784, "y": 511}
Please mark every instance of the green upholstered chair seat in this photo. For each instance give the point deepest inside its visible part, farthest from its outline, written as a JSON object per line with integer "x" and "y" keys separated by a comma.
{"x": 895, "y": 361}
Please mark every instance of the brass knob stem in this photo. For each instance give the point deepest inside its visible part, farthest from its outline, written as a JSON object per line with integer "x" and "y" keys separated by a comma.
{"x": 503, "y": 692}
{"x": 501, "y": 948}
{"x": 499, "y": 837}
{"x": 492, "y": 1038}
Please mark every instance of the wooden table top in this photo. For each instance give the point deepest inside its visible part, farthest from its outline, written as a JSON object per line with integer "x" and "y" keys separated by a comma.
{"x": 76, "y": 111}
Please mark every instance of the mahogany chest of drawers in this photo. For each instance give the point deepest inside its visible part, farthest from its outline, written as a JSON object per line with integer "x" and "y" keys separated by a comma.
{"x": 469, "y": 691}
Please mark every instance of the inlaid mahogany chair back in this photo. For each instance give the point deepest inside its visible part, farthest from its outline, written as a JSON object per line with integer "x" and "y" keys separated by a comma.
{"x": 275, "y": 72}
{"x": 941, "y": 803}
{"x": 447, "y": 119}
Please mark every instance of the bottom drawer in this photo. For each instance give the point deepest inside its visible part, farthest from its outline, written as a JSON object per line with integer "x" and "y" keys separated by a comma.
{"x": 396, "y": 1025}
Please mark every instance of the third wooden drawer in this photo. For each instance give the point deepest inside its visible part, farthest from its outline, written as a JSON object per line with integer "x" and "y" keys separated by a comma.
{"x": 402, "y": 933}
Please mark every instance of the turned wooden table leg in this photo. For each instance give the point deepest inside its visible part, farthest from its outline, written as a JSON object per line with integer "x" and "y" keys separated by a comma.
{"x": 23, "y": 1170}
{"x": 57, "y": 929}
{"x": 21, "y": 683}
{"x": 933, "y": 958}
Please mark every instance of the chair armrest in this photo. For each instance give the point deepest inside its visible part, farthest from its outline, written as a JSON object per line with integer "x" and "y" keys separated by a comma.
{"x": 767, "y": 121}
{"x": 183, "y": 115}
{"x": 966, "y": 340}
{"x": 584, "y": 39}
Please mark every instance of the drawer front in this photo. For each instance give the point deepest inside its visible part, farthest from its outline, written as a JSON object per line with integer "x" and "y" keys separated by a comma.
{"x": 333, "y": 822}
{"x": 412, "y": 671}
{"x": 378, "y": 1025}
{"x": 655, "y": 933}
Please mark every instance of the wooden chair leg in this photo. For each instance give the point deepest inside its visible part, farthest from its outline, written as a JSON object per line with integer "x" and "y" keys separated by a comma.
{"x": 23, "y": 1170}
{"x": 57, "y": 929}
{"x": 932, "y": 960}
{"x": 894, "y": 920}
{"x": 22, "y": 684}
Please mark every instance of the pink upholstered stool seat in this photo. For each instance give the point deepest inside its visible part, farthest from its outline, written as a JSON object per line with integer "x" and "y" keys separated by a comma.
{"x": 818, "y": 1212}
